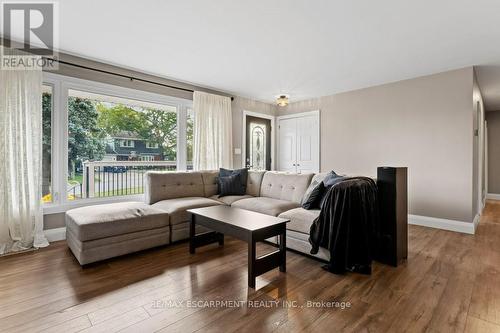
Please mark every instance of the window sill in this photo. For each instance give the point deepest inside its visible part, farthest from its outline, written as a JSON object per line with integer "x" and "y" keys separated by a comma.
{"x": 63, "y": 207}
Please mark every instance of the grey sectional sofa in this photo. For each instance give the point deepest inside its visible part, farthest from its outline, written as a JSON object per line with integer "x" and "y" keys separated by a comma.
{"x": 268, "y": 192}
{"x": 99, "y": 232}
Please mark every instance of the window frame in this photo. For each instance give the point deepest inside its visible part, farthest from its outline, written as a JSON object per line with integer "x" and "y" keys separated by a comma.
{"x": 124, "y": 143}
{"x": 59, "y": 154}
{"x": 150, "y": 145}
{"x": 53, "y": 186}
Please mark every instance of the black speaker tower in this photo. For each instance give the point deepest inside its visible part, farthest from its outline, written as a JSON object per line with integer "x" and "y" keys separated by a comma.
{"x": 392, "y": 240}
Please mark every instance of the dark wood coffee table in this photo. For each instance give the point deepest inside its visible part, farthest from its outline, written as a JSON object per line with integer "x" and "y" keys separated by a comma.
{"x": 245, "y": 225}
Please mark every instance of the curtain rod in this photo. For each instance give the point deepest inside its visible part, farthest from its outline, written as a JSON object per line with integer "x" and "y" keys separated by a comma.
{"x": 131, "y": 78}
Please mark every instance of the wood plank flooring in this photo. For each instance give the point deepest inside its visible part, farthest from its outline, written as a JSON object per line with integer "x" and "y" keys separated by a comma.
{"x": 451, "y": 283}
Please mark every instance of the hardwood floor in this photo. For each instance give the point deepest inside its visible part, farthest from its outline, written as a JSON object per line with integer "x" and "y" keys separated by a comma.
{"x": 451, "y": 283}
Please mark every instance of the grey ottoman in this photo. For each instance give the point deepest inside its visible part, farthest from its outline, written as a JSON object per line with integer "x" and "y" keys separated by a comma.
{"x": 100, "y": 232}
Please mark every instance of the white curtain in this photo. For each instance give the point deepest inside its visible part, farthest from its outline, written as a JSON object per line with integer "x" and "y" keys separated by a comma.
{"x": 213, "y": 138}
{"x": 21, "y": 223}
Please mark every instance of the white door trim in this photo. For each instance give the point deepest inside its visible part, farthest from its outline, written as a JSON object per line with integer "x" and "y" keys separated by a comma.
{"x": 480, "y": 155}
{"x": 244, "y": 136}
{"x": 300, "y": 114}
{"x": 315, "y": 113}
{"x": 486, "y": 170}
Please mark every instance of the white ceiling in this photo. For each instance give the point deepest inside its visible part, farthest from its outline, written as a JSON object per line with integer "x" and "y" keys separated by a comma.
{"x": 307, "y": 48}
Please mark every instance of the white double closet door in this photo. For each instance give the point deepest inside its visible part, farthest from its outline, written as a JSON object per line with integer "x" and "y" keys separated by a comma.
{"x": 299, "y": 144}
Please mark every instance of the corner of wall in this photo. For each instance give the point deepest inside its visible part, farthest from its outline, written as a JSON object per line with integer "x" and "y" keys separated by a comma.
{"x": 477, "y": 148}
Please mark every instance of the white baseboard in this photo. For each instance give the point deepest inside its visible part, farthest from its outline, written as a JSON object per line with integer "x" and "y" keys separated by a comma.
{"x": 451, "y": 225}
{"x": 54, "y": 235}
{"x": 493, "y": 196}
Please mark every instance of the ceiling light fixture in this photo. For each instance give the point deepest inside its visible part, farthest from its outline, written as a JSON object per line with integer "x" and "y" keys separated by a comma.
{"x": 282, "y": 100}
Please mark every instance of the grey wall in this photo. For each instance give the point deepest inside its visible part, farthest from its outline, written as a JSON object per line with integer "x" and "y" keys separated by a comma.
{"x": 493, "y": 119}
{"x": 424, "y": 123}
{"x": 52, "y": 221}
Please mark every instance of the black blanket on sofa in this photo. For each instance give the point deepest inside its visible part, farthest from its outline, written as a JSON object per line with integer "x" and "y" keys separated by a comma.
{"x": 347, "y": 224}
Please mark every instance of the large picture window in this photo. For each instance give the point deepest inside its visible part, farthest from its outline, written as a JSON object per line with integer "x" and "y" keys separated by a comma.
{"x": 113, "y": 136}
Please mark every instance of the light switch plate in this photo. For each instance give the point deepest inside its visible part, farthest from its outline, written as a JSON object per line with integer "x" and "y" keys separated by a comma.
{"x": 237, "y": 151}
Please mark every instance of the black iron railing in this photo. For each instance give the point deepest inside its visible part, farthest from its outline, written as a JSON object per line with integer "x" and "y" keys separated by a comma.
{"x": 109, "y": 179}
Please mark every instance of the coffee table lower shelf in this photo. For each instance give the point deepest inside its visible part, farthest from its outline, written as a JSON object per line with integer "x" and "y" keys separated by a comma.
{"x": 256, "y": 265}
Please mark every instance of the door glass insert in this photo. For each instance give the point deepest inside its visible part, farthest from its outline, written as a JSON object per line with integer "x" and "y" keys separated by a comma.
{"x": 258, "y": 146}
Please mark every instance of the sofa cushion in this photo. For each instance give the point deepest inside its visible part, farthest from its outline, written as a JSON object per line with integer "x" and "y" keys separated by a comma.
{"x": 210, "y": 184}
{"x": 300, "y": 242}
{"x": 265, "y": 205}
{"x": 176, "y": 208}
{"x": 300, "y": 219}
{"x": 254, "y": 181}
{"x": 285, "y": 186}
{"x": 170, "y": 185}
{"x": 228, "y": 200}
{"x": 101, "y": 221}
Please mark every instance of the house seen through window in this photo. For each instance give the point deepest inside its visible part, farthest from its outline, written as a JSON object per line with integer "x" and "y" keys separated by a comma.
{"x": 104, "y": 130}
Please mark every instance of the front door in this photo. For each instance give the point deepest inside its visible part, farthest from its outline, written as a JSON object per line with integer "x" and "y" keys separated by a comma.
{"x": 258, "y": 143}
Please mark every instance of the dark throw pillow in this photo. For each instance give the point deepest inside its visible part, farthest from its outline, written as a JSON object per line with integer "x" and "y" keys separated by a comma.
{"x": 331, "y": 179}
{"x": 313, "y": 195}
{"x": 230, "y": 185}
{"x": 243, "y": 177}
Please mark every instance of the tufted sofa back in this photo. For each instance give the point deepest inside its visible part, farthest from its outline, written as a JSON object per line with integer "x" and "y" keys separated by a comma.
{"x": 254, "y": 182}
{"x": 169, "y": 185}
{"x": 210, "y": 182}
{"x": 285, "y": 186}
